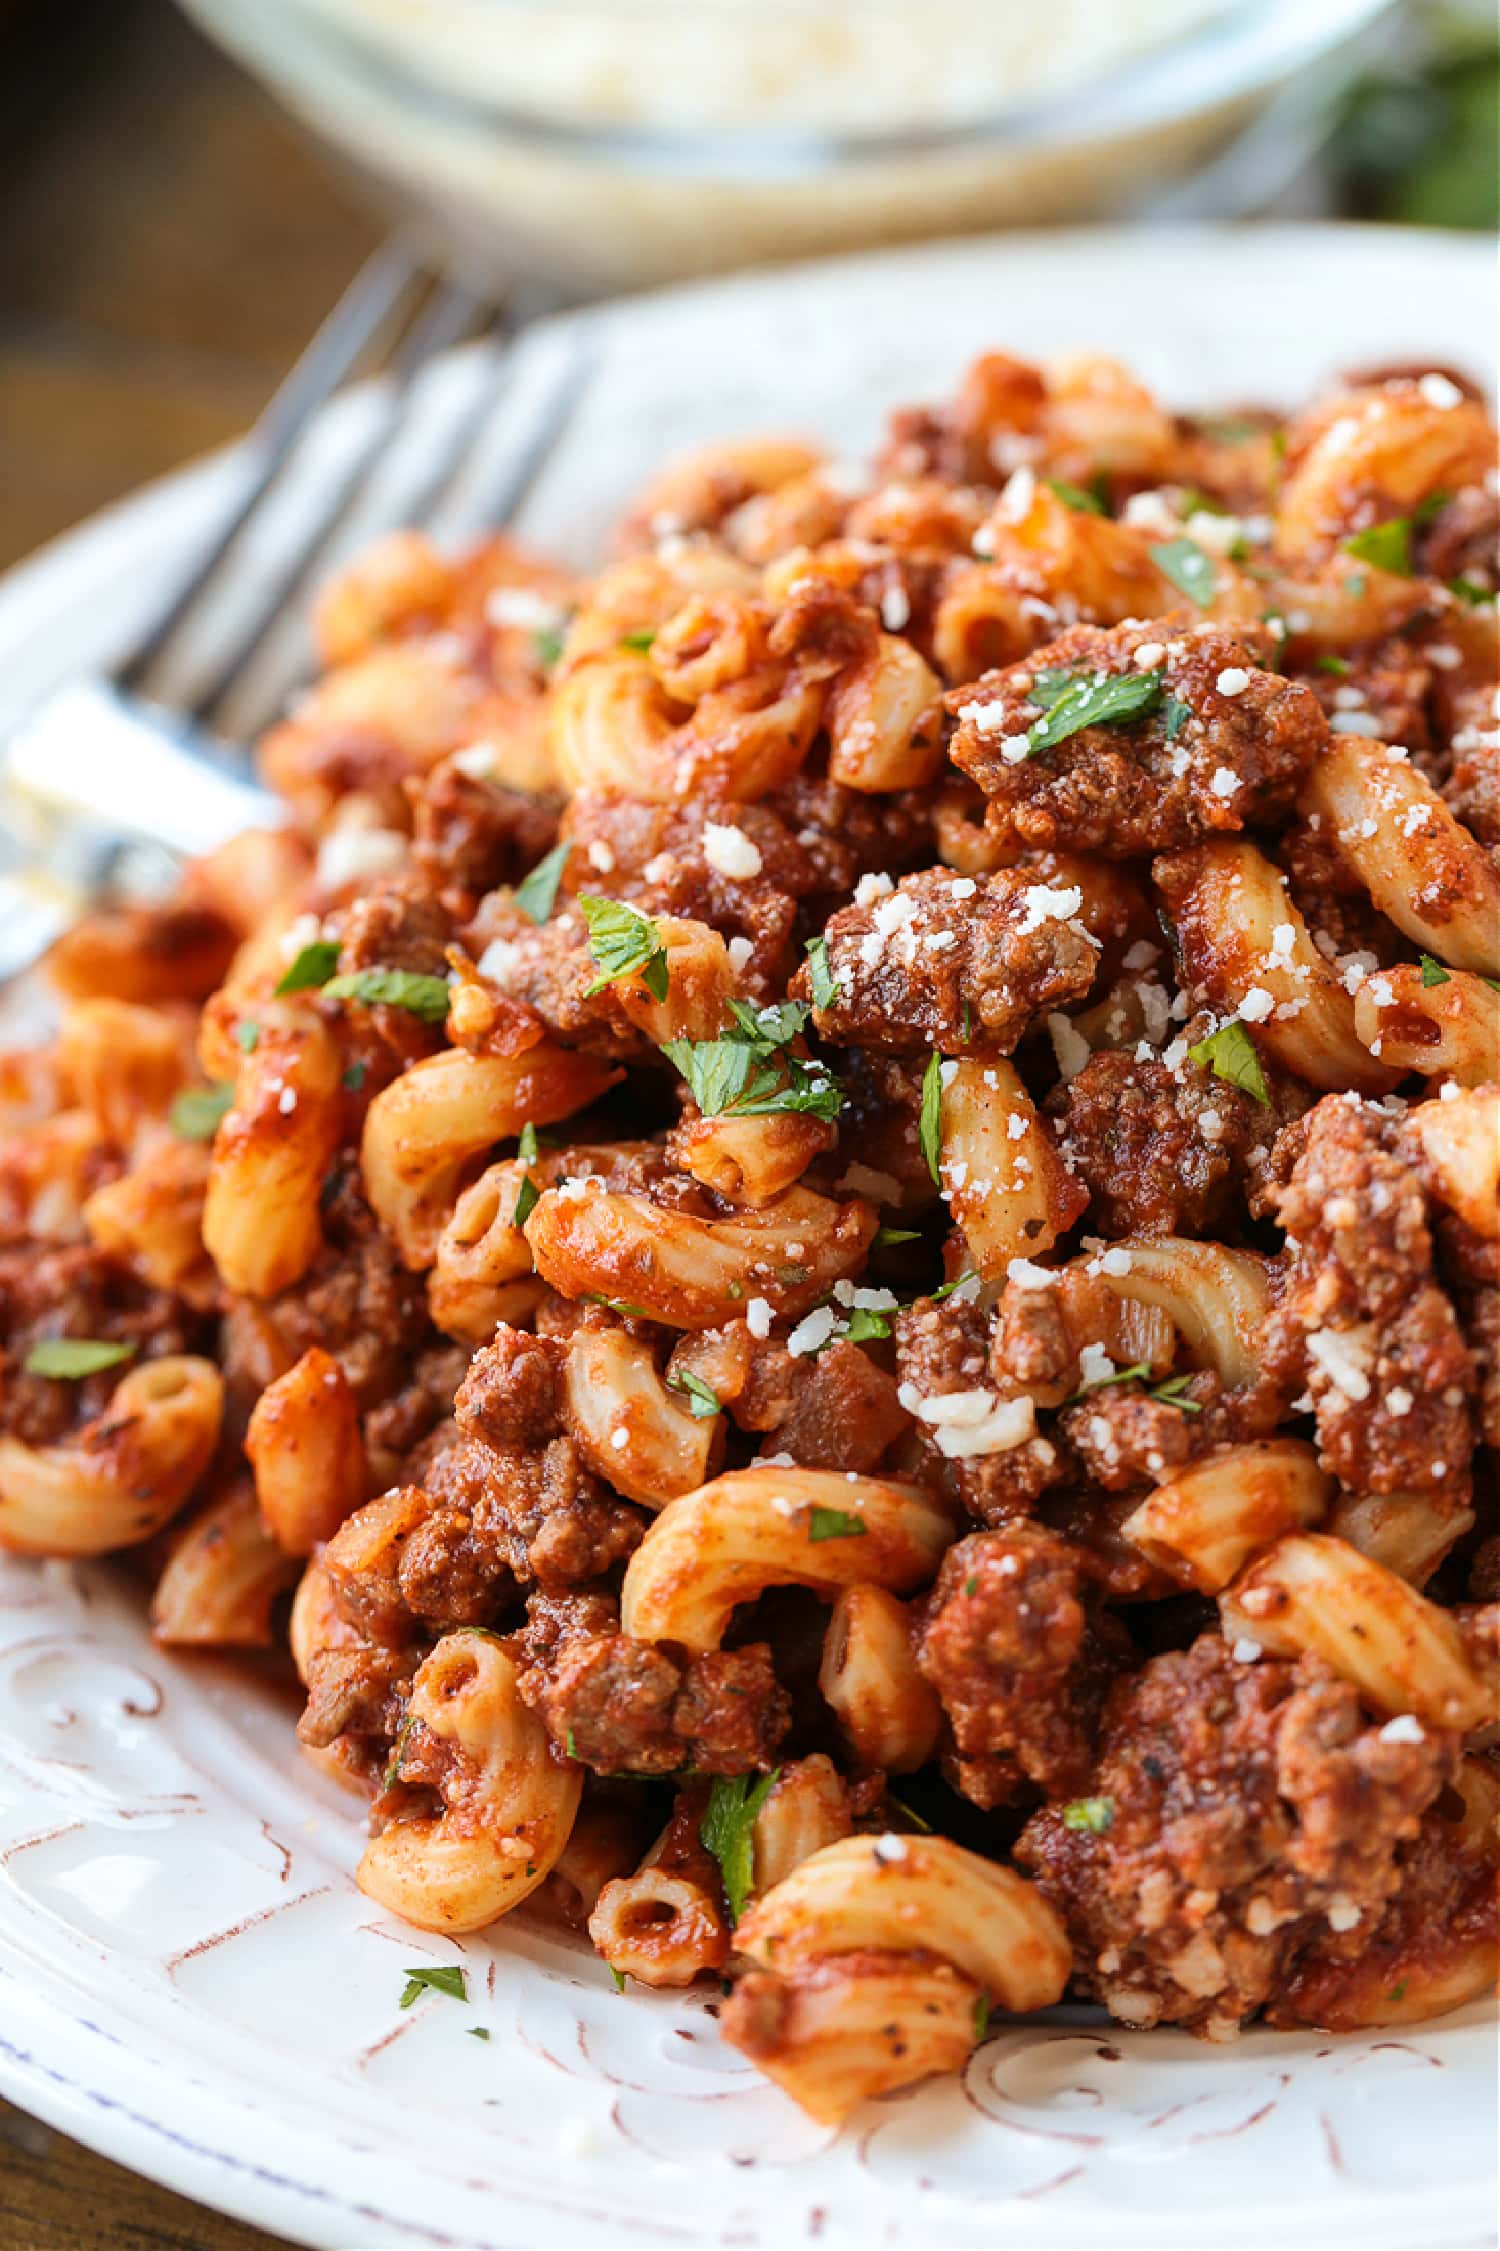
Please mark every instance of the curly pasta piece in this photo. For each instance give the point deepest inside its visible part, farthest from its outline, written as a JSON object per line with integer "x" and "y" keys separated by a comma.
{"x": 508, "y": 1801}
{"x": 124, "y": 1475}
{"x": 758, "y": 1528}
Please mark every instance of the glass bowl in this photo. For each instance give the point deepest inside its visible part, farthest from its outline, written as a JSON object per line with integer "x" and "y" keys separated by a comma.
{"x": 607, "y": 143}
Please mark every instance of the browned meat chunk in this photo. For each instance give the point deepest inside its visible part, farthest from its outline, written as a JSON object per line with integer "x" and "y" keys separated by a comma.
{"x": 472, "y": 834}
{"x": 1390, "y": 1377}
{"x": 1434, "y": 1946}
{"x": 953, "y": 962}
{"x": 1235, "y": 1812}
{"x": 512, "y": 1393}
{"x": 1388, "y": 684}
{"x": 838, "y": 1411}
{"x": 624, "y": 1706}
{"x": 358, "y": 1692}
{"x": 1161, "y": 1151}
{"x": 1005, "y": 1645}
{"x": 1225, "y": 747}
{"x": 71, "y": 1290}
{"x": 397, "y": 923}
{"x": 943, "y": 1346}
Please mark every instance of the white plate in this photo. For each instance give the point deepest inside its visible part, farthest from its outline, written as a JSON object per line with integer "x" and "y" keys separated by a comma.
{"x": 188, "y": 1978}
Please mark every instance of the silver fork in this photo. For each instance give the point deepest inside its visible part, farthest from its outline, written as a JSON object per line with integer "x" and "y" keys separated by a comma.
{"x": 107, "y": 785}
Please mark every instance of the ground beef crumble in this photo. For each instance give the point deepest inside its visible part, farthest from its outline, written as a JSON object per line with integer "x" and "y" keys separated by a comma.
{"x": 1236, "y": 1813}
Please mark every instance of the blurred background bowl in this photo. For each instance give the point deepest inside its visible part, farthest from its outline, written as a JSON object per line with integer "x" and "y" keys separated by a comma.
{"x": 607, "y": 143}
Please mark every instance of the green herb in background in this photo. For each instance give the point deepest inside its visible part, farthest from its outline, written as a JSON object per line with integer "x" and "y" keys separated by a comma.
{"x": 1418, "y": 142}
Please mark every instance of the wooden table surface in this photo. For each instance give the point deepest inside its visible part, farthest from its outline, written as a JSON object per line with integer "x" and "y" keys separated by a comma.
{"x": 169, "y": 244}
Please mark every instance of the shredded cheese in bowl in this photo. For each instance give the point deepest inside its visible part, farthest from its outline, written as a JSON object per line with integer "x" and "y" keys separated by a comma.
{"x": 618, "y": 141}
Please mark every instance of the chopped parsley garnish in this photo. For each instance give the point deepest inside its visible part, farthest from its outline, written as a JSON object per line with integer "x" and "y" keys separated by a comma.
{"x": 1229, "y": 429}
{"x": 1139, "y": 1371}
{"x": 71, "y": 1358}
{"x": 981, "y": 2017}
{"x": 1093, "y": 1814}
{"x": 931, "y": 1128}
{"x": 247, "y": 1037}
{"x": 478, "y": 2031}
{"x": 624, "y": 943}
{"x": 618, "y": 1976}
{"x": 392, "y": 1773}
{"x": 887, "y": 1237}
{"x": 1357, "y": 585}
{"x": 570, "y": 1744}
{"x": 640, "y": 642}
{"x": 354, "y": 1077}
{"x": 1230, "y": 1054}
{"x": 547, "y": 646}
{"x": 1098, "y": 699}
{"x": 951, "y": 1289}
{"x": 866, "y": 1322}
{"x": 313, "y": 966}
{"x": 624, "y": 1306}
{"x": 1177, "y": 714}
{"x": 750, "y": 1071}
{"x": 536, "y": 894}
{"x": 1471, "y": 591}
{"x": 726, "y": 1831}
{"x": 528, "y": 1196}
{"x": 824, "y": 985}
{"x": 1339, "y": 665}
{"x": 971, "y": 1584}
{"x": 1091, "y": 503}
{"x": 835, "y": 1524}
{"x": 1398, "y": 1992}
{"x": 527, "y": 1144}
{"x": 1387, "y": 547}
{"x": 701, "y": 1397}
{"x": 1185, "y": 564}
{"x": 448, "y": 1979}
{"x": 1433, "y": 972}
{"x": 195, "y": 1113}
{"x": 909, "y": 1813}
{"x": 1171, "y": 1393}
{"x": 427, "y": 997}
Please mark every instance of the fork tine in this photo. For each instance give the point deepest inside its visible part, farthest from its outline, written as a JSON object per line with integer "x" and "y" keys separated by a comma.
{"x": 504, "y": 499}
{"x": 335, "y": 349}
{"x": 446, "y": 319}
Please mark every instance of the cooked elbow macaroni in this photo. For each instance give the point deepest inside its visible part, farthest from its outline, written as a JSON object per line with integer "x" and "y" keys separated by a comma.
{"x": 804, "y": 1152}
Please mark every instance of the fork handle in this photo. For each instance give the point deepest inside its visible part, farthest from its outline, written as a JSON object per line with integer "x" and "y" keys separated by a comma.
{"x": 91, "y": 753}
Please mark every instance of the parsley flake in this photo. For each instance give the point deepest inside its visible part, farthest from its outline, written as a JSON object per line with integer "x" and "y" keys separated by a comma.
{"x": 528, "y": 1196}
{"x": 536, "y": 894}
{"x": 478, "y": 2031}
{"x": 624, "y": 943}
{"x": 1098, "y": 699}
{"x": 835, "y": 1524}
{"x": 1177, "y": 714}
{"x": 981, "y": 2017}
{"x": 1339, "y": 665}
{"x": 546, "y": 647}
{"x": 619, "y": 1978}
{"x": 69, "y": 1359}
{"x": 951, "y": 1289}
{"x": 313, "y": 966}
{"x": 1171, "y": 1392}
{"x": 930, "y": 1131}
{"x": 247, "y": 1037}
{"x": 426, "y": 997}
{"x": 449, "y": 1979}
{"x": 750, "y": 1072}
{"x": 640, "y": 642}
{"x": 1230, "y": 1054}
{"x": 354, "y": 1077}
{"x": 701, "y": 1397}
{"x": 726, "y": 1831}
{"x": 195, "y": 1113}
{"x": 1093, "y": 1814}
{"x": 1433, "y": 972}
{"x": 866, "y": 1322}
{"x": 527, "y": 1144}
{"x": 1138, "y": 1371}
{"x": 1471, "y": 591}
{"x": 887, "y": 1237}
{"x": 1089, "y": 503}
{"x": 1387, "y": 546}
{"x": 1185, "y": 564}
{"x": 823, "y": 983}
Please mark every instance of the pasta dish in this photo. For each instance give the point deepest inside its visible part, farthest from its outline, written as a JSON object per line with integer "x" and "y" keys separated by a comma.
{"x": 822, "y": 1231}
